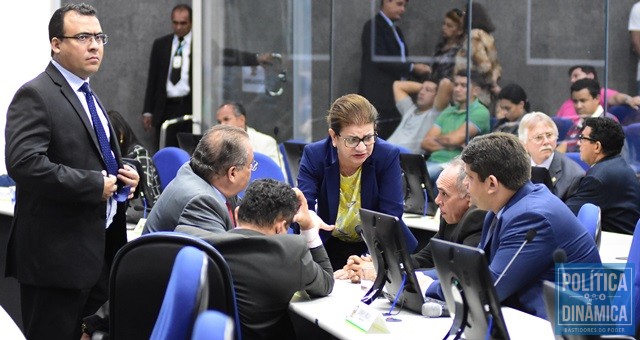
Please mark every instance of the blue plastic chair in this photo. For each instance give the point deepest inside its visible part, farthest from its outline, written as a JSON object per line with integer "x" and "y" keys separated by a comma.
{"x": 404, "y": 149}
{"x": 634, "y": 257}
{"x": 186, "y": 296}
{"x": 168, "y": 161}
{"x": 575, "y": 156}
{"x": 139, "y": 277}
{"x": 267, "y": 168}
{"x": 212, "y": 325}
{"x": 293, "y": 150}
{"x": 563, "y": 124}
{"x": 589, "y": 216}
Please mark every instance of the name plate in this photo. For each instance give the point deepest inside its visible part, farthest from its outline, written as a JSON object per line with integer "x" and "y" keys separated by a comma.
{"x": 367, "y": 319}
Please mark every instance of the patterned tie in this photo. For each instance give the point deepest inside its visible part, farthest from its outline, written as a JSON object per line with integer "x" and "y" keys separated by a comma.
{"x": 230, "y": 209}
{"x": 105, "y": 147}
{"x": 176, "y": 71}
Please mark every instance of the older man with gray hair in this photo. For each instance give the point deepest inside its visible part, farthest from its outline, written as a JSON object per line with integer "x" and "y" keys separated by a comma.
{"x": 203, "y": 193}
{"x": 460, "y": 221}
{"x": 539, "y": 135}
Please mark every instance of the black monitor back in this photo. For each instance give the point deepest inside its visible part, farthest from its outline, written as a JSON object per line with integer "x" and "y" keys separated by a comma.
{"x": 384, "y": 238}
{"x": 416, "y": 184}
{"x": 466, "y": 283}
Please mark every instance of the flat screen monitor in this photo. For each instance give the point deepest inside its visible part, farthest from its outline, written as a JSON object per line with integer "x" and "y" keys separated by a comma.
{"x": 419, "y": 195}
{"x": 386, "y": 243}
{"x": 188, "y": 141}
{"x": 468, "y": 290}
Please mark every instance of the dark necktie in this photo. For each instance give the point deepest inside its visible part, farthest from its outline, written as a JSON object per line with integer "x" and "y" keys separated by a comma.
{"x": 176, "y": 71}
{"x": 230, "y": 209}
{"x": 105, "y": 147}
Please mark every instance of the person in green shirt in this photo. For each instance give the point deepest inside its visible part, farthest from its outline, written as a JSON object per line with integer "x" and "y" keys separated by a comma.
{"x": 448, "y": 135}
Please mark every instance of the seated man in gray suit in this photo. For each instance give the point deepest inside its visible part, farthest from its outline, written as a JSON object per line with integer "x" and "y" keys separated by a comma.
{"x": 204, "y": 190}
{"x": 268, "y": 268}
{"x": 539, "y": 135}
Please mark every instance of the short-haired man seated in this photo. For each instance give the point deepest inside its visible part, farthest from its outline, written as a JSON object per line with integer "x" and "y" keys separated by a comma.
{"x": 267, "y": 265}
{"x": 498, "y": 171}
{"x": 610, "y": 183}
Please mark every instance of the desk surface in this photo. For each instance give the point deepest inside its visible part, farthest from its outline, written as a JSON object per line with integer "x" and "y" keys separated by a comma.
{"x": 614, "y": 247}
{"x": 330, "y": 312}
{"x": 429, "y": 223}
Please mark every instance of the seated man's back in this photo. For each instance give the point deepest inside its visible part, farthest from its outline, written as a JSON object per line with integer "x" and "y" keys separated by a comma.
{"x": 268, "y": 268}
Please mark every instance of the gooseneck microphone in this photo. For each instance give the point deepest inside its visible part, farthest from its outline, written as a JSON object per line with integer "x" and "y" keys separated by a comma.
{"x": 528, "y": 237}
{"x": 560, "y": 258}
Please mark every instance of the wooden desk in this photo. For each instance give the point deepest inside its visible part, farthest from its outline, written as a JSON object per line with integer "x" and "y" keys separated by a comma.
{"x": 329, "y": 314}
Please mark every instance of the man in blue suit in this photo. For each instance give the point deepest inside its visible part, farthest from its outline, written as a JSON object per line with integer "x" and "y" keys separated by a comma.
{"x": 610, "y": 183}
{"x": 498, "y": 171}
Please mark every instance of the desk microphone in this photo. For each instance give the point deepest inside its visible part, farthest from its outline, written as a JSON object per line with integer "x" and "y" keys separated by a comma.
{"x": 530, "y": 235}
{"x": 433, "y": 308}
{"x": 560, "y": 257}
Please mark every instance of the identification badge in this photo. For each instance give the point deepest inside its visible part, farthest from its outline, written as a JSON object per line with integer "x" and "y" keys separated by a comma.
{"x": 177, "y": 61}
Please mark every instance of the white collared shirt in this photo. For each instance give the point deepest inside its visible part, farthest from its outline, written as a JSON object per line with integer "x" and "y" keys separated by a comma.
{"x": 181, "y": 88}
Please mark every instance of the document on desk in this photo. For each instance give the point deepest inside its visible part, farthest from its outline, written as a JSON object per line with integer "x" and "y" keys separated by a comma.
{"x": 367, "y": 319}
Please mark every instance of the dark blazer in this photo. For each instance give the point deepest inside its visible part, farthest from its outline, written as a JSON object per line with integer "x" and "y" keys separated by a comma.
{"x": 467, "y": 231}
{"x": 381, "y": 182}
{"x": 533, "y": 206}
{"x": 156, "y": 94}
{"x": 612, "y": 185}
{"x": 377, "y": 76}
{"x": 267, "y": 270}
{"x": 58, "y": 232}
{"x": 565, "y": 175}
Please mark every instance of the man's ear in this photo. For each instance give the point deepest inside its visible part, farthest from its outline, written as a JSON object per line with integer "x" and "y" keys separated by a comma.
{"x": 55, "y": 45}
{"x": 492, "y": 184}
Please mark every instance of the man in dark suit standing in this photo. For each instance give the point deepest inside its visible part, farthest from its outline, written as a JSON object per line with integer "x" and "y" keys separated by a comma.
{"x": 384, "y": 60}
{"x": 69, "y": 213}
{"x": 168, "y": 93}
{"x": 610, "y": 183}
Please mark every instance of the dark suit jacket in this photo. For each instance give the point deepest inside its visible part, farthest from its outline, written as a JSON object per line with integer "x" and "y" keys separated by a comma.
{"x": 377, "y": 77}
{"x": 156, "y": 93}
{"x": 381, "y": 182}
{"x": 565, "y": 175}
{"x": 267, "y": 270}
{"x": 612, "y": 185}
{"x": 467, "y": 231}
{"x": 58, "y": 233}
{"x": 533, "y": 206}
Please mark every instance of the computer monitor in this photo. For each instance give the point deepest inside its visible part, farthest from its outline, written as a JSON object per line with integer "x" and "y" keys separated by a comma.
{"x": 419, "y": 195}
{"x": 468, "y": 290}
{"x": 386, "y": 243}
{"x": 188, "y": 141}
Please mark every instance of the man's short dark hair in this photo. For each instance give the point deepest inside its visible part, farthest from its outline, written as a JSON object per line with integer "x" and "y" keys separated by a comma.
{"x": 608, "y": 132}
{"x": 238, "y": 109}
{"x": 501, "y": 155}
{"x": 266, "y": 200}
{"x": 183, "y": 7}
{"x": 587, "y": 83}
{"x": 586, "y": 69}
{"x": 56, "y": 23}
{"x": 221, "y": 147}
{"x": 476, "y": 78}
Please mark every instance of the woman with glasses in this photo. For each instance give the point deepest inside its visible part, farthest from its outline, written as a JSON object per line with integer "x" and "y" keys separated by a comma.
{"x": 351, "y": 169}
{"x": 448, "y": 46}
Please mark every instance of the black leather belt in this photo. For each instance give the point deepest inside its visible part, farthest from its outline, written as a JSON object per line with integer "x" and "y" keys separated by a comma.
{"x": 175, "y": 100}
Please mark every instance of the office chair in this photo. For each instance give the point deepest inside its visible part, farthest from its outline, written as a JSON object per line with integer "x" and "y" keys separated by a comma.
{"x": 589, "y": 216}
{"x": 169, "y": 123}
{"x": 139, "y": 278}
{"x": 634, "y": 257}
{"x": 188, "y": 141}
{"x": 168, "y": 161}
{"x": 575, "y": 156}
{"x": 266, "y": 168}
{"x": 293, "y": 154}
{"x": 563, "y": 124}
{"x": 632, "y": 135}
{"x": 212, "y": 325}
{"x": 186, "y": 297}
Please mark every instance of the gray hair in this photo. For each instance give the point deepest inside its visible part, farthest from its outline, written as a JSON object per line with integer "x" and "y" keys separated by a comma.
{"x": 530, "y": 120}
{"x": 458, "y": 164}
{"x": 221, "y": 147}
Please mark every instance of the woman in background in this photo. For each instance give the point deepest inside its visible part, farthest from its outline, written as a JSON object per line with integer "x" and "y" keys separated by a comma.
{"x": 448, "y": 46}
{"x": 131, "y": 148}
{"x": 351, "y": 169}
{"x": 513, "y": 102}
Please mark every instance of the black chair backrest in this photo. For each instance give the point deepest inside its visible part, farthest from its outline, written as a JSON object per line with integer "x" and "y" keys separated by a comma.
{"x": 188, "y": 141}
{"x": 139, "y": 278}
{"x": 293, "y": 153}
